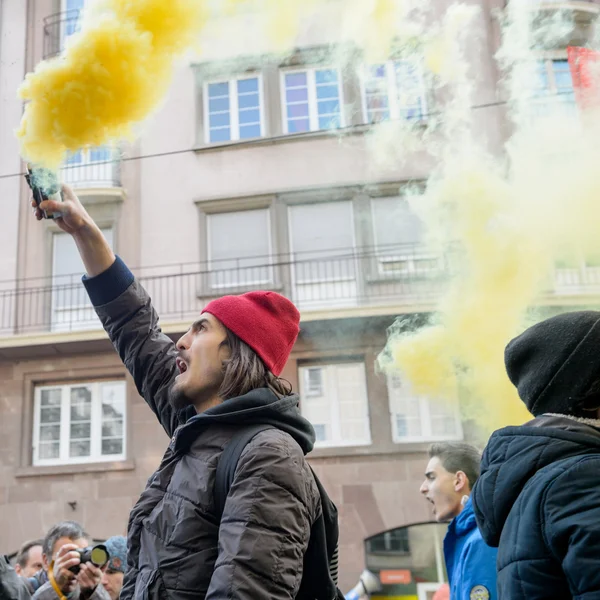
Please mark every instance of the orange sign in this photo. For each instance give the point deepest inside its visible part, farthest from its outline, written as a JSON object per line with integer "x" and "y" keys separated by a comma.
{"x": 403, "y": 577}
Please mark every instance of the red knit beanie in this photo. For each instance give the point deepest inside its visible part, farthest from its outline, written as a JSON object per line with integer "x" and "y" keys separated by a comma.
{"x": 266, "y": 321}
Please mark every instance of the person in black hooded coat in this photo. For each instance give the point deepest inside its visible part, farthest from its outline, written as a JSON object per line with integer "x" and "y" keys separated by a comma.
{"x": 538, "y": 496}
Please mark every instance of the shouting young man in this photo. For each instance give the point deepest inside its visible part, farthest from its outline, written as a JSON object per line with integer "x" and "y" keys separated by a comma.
{"x": 450, "y": 475}
{"x": 221, "y": 376}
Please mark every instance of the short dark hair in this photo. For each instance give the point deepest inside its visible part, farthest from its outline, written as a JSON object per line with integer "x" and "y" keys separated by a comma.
{"x": 458, "y": 456}
{"x": 69, "y": 529}
{"x": 245, "y": 371}
{"x": 23, "y": 556}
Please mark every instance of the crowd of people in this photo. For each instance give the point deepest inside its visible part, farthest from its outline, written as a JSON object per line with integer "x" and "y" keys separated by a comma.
{"x": 51, "y": 568}
{"x": 235, "y": 511}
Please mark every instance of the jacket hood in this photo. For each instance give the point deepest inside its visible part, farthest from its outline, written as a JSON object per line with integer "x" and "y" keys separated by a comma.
{"x": 464, "y": 521}
{"x": 515, "y": 454}
{"x": 260, "y": 406}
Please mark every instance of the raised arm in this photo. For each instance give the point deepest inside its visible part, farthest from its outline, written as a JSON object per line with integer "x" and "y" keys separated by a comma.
{"x": 124, "y": 308}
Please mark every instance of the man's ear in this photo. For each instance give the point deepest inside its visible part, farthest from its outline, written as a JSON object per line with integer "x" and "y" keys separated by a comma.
{"x": 461, "y": 483}
{"x": 45, "y": 562}
{"x": 18, "y": 569}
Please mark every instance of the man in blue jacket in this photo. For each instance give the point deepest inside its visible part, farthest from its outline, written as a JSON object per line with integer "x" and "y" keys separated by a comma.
{"x": 451, "y": 473}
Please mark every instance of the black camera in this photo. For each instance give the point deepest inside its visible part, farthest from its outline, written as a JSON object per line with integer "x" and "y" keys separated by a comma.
{"x": 97, "y": 555}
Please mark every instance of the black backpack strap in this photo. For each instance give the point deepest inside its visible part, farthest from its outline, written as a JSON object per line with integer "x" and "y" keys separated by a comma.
{"x": 228, "y": 463}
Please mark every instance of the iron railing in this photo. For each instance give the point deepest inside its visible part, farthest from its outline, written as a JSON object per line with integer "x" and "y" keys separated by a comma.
{"x": 397, "y": 276}
{"x": 336, "y": 279}
{"x": 93, "y": 174}
{"x": 57, "y": 28}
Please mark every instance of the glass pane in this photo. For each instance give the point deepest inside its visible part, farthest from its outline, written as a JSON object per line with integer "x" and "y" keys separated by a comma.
{"x": 50, "y": 415}
{"x": 82, "y": 412}
{"x": 320, "y": 433}
{"x": 110, "y": 447}
{"x": 218, "y": 105}
{"x": 328, "y": 107}
{"x": 218, "y": 89}
{"x": 298, "y": 125}
{"x": 112, "y": 429}
{"x": 49, "y": 433}
{"x": 295, "y": 80}
{"x": 220, "y": 135}
{"x": 249, "y": 131}
{"x": 329, "y": 122}
{"x": 297, "y": 95}
{"x": 295, "y": 111}
{"x": 247, "y": 85}
{"x": 81, "y": 431}
{"x": 562, "y": 75}
{"x": 395, "y": 226}
{"x": 249, "y": 117}
{"x": 326, "y": 76}
{"x": 81, "y": 396}
{"x": 327, "y": 91}
{"x": 51, "y": 397}
{"x": 79, "y": 449}
{"x": 219, "y": 120}
{"x": 74, "y": 158}
{"x": 541, "y": 83}
{"x": 249, "y": 101}
{"x": 49, "y": 450}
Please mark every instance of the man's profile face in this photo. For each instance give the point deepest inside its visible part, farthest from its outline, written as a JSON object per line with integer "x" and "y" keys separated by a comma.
{"x": 35, "y": 563}
{"x": 112, "y": 581}
{"x": 202, "y": 352}
{"x": 443, "y": 489}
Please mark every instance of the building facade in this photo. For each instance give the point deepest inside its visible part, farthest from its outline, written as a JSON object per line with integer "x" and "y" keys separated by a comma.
{"x": 257, "y": 172}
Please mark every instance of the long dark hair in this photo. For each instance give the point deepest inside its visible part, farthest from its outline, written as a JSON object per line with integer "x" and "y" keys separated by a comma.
{"x": 245, "y": 371}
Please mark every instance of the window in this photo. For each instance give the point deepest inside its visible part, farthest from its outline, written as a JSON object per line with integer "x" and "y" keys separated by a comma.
{"x": 554, "y": 87}
{"x": 82, "y": 422}
{"x": 420, "y": 419}
{"x": 71, "y": 307}
{"x": 72, "y": 10}
{"x": 312, "y": 100}
{"x": 339, "y": 410}
{"x": 239, "y": 248}
{"x": 394, "y": 90}
{"x": 398, "y": 234}
{"x": 233, "y": 110}
{"x": 322, "y": 239}
{"x": 395, "y": 542}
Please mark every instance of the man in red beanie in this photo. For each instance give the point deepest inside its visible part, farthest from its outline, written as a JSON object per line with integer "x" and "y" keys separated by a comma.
{"x": 220, "y": 377}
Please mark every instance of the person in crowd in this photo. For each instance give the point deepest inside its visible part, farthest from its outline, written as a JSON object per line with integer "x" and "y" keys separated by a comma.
{"x": 114, "y": 571}
{"x": 538, "y": 498}
{"x": 29, "y": 558}
{"x": 451, "y": 472}
{"x": 220, "y": 377}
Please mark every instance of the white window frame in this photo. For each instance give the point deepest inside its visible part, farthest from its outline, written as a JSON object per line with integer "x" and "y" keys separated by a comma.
{"x": 392, "y": 91}
{"x": 336, "y": 440}
{"x": 425, "y": 419}
{"x": 65, "y": 421}
{"x": 234, "y": 122}
{"x": 313, "y": 111}
{"x": 269, "y": 256}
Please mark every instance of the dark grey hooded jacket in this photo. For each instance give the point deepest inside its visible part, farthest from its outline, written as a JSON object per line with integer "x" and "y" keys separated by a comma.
{"x": 177, "y": 549}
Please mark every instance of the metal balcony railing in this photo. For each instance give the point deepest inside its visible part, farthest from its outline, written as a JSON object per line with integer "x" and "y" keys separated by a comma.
{"x": 393, "y": 276}
{"x": 345, "y": 278}
{"x": 57, "y": 28}
{"x": 89, "y": 173}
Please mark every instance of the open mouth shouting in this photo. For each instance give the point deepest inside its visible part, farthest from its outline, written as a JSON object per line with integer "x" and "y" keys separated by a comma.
{"x": 182, "y": 366}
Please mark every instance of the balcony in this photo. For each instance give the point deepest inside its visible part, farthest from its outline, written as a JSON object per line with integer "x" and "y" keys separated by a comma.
{"x": 584, "y": 11}
{"x": 95, "y": 168}
{"x": 57, "y": 27}
{"x": 360, "y": 279}
{"x": 352, "y": 282}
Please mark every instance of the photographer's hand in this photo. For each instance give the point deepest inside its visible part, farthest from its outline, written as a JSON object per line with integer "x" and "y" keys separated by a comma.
{"x": 95, "y": 251}
{"x": 89, "y": 578}
{"x": 66, "y": 558}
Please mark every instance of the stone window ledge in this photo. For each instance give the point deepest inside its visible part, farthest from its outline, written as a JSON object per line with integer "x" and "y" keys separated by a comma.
{"x": 372, "y": 450}
{"x": 123, "y": 465}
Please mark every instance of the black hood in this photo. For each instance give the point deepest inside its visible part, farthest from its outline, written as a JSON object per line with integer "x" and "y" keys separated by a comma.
{"x": 514, "y": 455}
{"x": 260, "y": 406}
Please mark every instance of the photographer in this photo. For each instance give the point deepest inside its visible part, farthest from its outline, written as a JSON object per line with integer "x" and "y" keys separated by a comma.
{"x": 85, "y": 585}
